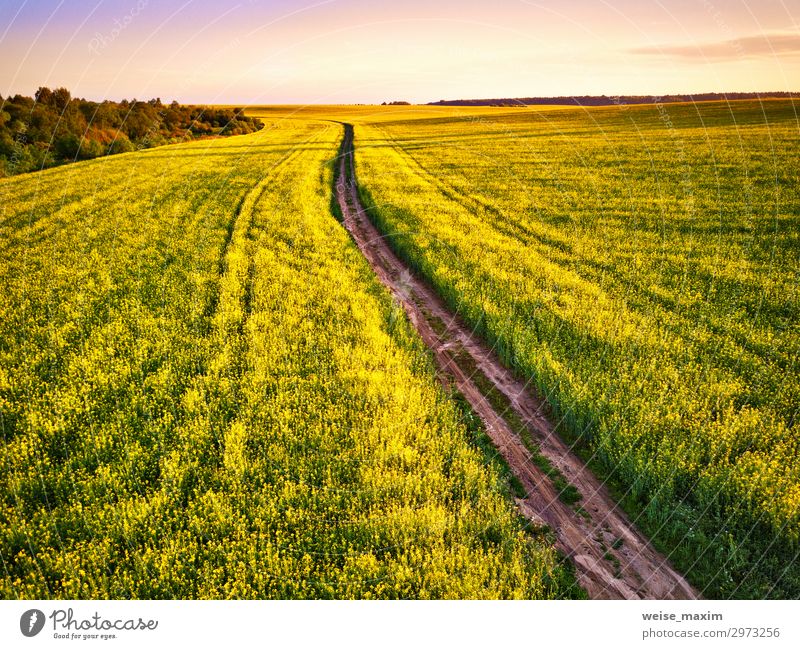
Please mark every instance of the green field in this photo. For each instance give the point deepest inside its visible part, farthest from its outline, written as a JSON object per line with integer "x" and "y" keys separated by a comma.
{"x": 640, "y": 265}
{"x": 206, "y": 393}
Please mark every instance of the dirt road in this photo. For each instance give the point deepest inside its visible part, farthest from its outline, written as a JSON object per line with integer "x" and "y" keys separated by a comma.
{"x": 613, "y": 560}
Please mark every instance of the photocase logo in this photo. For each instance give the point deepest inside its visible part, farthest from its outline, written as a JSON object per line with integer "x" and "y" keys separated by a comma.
{"x": 31, "y": 622}
{"x": 66, "y": 625}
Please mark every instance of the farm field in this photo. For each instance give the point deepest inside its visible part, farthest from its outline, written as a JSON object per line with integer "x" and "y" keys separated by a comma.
{"x": 639, "y": 265}
{"x": 205, "y": 393}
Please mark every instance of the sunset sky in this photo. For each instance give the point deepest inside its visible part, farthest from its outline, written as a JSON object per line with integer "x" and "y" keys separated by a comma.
{"x": 345, "y": 51}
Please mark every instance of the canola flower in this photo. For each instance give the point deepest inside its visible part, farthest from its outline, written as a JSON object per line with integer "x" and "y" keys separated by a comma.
{"x": 204, "y": 393}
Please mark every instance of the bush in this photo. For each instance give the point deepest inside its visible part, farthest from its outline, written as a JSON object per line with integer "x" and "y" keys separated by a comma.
{"x": 67, "y": 146}
{"x": 91, "y": 149}
{"x": 121, "y": 145}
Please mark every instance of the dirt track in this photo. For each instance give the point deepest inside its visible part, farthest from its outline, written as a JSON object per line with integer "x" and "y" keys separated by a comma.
{"x": 612, "y": 559}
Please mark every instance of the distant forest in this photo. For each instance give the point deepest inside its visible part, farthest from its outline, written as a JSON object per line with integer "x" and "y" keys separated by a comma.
{"x": 604, "y": 100}
{"x": 52, "y": 127}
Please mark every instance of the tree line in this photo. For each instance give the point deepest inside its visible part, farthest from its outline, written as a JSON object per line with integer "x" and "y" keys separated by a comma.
{"x": 52, "y": 127}
{"x": 609, "y": 100}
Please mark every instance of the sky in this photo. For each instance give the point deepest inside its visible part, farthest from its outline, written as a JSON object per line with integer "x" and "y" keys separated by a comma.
{"x": 369, "y": 51}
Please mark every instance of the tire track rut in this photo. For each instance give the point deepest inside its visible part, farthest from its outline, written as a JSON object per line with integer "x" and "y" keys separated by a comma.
{"x": 613, "y": 560}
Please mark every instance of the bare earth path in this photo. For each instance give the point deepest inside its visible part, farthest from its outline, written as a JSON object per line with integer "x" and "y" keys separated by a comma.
{"x": 613, "y": 560}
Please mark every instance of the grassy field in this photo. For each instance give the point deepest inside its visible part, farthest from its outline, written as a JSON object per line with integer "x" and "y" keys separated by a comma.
{"x": 639, "y": 264}
{"x": 205, "y": 393}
